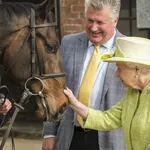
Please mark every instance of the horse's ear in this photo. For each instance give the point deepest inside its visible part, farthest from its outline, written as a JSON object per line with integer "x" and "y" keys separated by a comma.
{"x": 38, "y": 6}
{"x": 44, "y": 8}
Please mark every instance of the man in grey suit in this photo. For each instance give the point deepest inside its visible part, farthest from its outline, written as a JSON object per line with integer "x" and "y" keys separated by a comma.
{"x": 101, "y": 18}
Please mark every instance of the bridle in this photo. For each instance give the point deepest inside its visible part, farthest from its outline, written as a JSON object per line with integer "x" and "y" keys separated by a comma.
{"x": 34, "y": 77}
{"x": 34, "y": 52}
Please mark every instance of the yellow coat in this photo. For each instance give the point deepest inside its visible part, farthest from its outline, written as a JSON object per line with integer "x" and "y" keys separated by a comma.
{"x": 132, "y": 113}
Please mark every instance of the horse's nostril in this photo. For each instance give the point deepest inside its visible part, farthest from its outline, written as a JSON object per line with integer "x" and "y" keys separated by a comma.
{"x": 60, "y": 112}
{"x": 62, "y": 109}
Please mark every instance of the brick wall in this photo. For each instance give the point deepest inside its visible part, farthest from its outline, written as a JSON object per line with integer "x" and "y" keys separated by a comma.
{"x": 71, "y": 16}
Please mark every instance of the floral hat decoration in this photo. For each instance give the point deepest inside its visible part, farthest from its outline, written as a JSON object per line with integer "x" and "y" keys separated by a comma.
{"x": 129, "y": 49}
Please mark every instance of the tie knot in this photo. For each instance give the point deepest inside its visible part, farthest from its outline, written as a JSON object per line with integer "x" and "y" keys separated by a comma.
{"x": 97, "y": 47}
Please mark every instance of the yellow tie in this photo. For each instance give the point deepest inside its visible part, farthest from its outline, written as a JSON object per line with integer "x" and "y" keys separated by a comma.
{"x": 88, "y": 81}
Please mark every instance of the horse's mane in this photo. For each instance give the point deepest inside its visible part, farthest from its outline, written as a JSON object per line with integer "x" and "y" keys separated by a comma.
{"x": 10, "y": 10}
{"x": 15, "y": 16}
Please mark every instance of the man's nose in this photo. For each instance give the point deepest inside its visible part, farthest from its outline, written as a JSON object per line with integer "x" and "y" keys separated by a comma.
{"x": 94, "y": 27}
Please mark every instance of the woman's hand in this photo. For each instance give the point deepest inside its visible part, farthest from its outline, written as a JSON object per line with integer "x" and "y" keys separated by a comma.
{"x": 78, "y": 107}
{"x": 5, "y": 107}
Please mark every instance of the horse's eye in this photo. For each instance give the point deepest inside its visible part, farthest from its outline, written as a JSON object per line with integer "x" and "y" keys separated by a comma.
{"x": 52, "y": 48}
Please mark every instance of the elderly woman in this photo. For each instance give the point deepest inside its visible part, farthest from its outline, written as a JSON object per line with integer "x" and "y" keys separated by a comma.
{"x": 132, "y": 113}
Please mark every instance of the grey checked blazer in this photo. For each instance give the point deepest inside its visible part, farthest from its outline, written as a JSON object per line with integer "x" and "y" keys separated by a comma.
{"x": 74, "y": 49}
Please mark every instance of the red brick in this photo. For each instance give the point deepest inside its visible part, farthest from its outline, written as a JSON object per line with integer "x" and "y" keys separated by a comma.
{"x": 71, "y": 27}
{"x": 76, "y": 21}
{"x": 71, "y": 16}
{"x": 81, "y": 2}
{"x": 77, "y": 8}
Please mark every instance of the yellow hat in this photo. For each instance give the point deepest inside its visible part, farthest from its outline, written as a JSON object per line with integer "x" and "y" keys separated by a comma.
{"x": 130, "y": 49}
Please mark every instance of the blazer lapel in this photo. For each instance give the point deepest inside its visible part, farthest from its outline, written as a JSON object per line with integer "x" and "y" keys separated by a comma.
{"x": 79, "y": 57}
{"x": 111, "y": 68}
{"x": 109, "y": 75}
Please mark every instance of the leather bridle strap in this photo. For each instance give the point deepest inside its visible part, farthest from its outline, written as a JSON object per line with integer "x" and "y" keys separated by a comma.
{"x": 45, "y": 25}
{"x": 35, "y": 52}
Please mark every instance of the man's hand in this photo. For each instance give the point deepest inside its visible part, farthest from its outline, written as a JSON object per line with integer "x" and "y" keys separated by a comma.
{"x": 48, "y": 143}
{"x": 5, "y": 107}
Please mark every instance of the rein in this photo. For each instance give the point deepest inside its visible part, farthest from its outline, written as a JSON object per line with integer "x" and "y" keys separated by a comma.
{"x": 27, "y": 93}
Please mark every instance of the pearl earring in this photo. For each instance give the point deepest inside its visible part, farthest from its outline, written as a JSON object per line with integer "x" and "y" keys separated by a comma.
{"x": 136, "y": 76}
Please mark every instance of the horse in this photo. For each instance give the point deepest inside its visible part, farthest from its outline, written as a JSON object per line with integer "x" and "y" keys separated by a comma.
{"x": 30, "y": 56}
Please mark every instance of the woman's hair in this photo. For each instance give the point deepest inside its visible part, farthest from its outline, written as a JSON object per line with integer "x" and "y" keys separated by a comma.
{"x": 113, "y": 5}
{"x": 144, "y": 70}
{"x": 136, "y": 65}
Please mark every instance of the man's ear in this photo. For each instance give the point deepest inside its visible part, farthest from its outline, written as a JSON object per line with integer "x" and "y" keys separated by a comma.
{"x": 116, "y": 22}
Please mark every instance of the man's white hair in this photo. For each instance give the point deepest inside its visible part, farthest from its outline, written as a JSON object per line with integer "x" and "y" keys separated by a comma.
{"x": 113, "y": 5}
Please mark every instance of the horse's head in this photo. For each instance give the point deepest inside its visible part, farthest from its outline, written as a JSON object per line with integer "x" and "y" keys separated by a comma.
{"x": 30, "y": 53}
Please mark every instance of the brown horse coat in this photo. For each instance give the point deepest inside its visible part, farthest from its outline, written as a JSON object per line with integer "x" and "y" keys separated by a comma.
{"x": 14, "y": 28}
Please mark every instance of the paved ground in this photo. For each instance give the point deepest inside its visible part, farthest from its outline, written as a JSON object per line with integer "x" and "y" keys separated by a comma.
{"x": 24, "y": 144}
{"x": 27, "y": 136}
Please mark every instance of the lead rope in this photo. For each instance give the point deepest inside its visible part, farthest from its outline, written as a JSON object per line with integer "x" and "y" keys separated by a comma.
{"x": 3, "y": 87}
{"x": 12, "y": 140}
{"x": 25, "y": 95}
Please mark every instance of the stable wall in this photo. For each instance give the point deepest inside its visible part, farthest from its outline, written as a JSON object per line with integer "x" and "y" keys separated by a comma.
{"x": 71, "y": 16}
